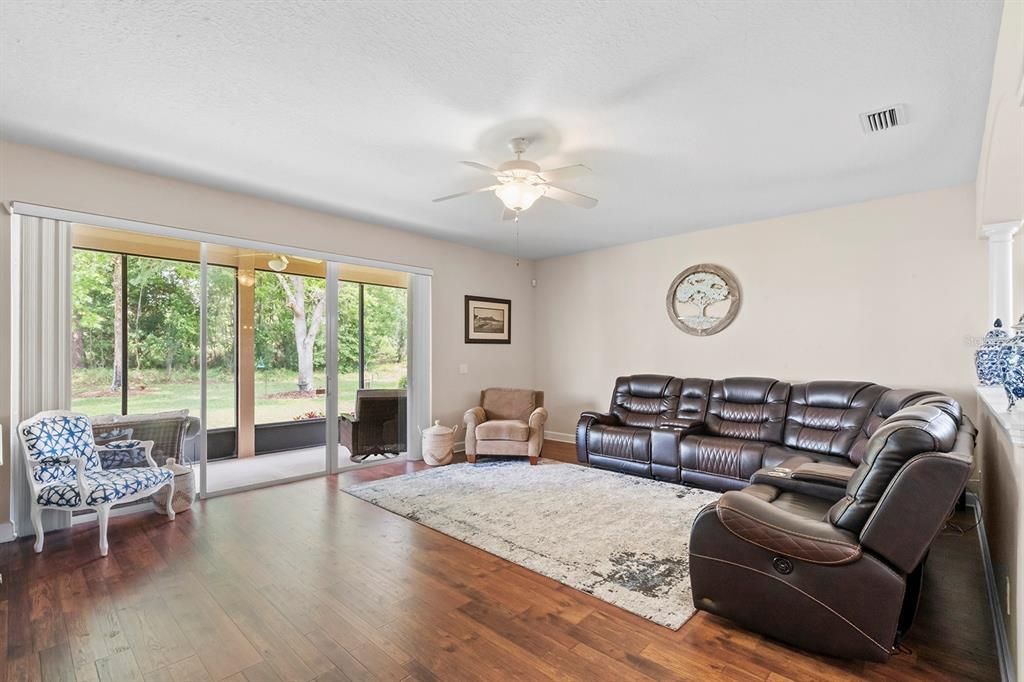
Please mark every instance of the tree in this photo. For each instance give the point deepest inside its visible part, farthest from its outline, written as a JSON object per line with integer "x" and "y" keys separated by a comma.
{"x": 305, "y": 328}
{"x": 702, "y": 289}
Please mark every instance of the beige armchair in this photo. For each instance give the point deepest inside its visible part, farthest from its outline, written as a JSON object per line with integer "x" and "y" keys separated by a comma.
{"x": 508, "y": 423}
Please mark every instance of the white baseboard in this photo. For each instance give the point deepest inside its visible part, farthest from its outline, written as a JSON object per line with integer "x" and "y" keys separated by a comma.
{"x": 560, "y": 437}
{"x": 548, "y": 435}
{"x": 7, "y": 532}
{"x": 1006, "y": 671}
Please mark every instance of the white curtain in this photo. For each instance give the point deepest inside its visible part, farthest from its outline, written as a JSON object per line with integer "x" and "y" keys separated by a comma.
{"x": 40, "y": 339}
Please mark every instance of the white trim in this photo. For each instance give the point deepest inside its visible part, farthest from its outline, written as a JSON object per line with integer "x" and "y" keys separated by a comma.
{"x": 331, "y": 371}
{"x": 1000, "y": 269}
{"x": 559, "y": 437}
{"x": 419, "y": 363}
{"x": 19, "y": 505}
{"x": 7, "y": 532}
{"x": 1002, "y": 641}
{"x": 204, "y": 291}
{"x": 35, "y": 210}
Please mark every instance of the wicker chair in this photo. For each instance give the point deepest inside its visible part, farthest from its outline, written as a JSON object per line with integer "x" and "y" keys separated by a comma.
{"x": 378, "y": 426}
{"x": 167, "y": 430}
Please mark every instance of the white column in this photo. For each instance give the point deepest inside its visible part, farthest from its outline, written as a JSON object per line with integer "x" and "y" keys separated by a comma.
{"x": 1000, "y": 270}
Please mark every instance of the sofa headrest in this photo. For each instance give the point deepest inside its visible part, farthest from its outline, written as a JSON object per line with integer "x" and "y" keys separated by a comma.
{"x": 749, "y": 390}
{"x": 827, "y": 416}
{"x": 945, "y": 403}
{"x": 647, "y": 385}
{"x": 895, "y": 400}
{"x": 910, "y": 432}
{"x": 837, "y": 395}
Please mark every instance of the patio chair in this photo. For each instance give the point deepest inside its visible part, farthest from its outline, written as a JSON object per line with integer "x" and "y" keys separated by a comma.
{"x": 169, "y": 431}
{"x": 378, "y": 426}
{"x": 66, "y": 470}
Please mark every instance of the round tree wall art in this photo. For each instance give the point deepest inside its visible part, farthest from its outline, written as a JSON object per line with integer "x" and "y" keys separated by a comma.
{"x": 703, "y": 299}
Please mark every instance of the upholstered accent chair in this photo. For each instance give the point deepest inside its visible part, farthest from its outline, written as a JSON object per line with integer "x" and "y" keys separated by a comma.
{"x": 66, "y": 470}
{"x": 509, "y": 422}
{"x": 378, "y": 426}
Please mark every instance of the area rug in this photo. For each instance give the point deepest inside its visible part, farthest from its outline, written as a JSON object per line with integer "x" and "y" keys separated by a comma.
{"x": 623, "y": 539}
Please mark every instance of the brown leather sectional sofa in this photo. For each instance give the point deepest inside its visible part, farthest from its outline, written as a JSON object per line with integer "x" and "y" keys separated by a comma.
{"x": 834, "y": 491}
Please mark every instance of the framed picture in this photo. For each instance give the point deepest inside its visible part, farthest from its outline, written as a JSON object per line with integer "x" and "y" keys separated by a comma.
{"x": 488, "y": 320}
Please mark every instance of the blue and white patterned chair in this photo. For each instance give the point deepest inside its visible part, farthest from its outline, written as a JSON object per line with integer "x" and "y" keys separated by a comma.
{"x": 68, "y": 471}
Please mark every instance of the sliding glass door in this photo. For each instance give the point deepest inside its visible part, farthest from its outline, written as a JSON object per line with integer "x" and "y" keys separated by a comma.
{"x": 282, "y": 383}
{"x": 373, "y": 324}
{"x": 274, "y": 353}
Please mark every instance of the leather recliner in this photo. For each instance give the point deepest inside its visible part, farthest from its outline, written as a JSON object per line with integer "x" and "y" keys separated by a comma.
{"x": 621, "y": 439}
{"x": 717, "y": 434}
{"x": 842, "y": 577}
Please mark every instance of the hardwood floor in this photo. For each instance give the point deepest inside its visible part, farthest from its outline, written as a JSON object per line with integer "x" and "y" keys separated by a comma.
{"x": 303, "y": 582}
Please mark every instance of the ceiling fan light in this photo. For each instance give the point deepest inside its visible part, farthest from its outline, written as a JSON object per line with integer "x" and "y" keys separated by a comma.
{"x": 278, "y": 263}
{"x": 519, "y": 195}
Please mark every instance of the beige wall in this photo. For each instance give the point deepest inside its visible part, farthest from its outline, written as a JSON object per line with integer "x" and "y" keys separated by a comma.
{"x": 37, "y": 176}
{"x": 892, "y": 291}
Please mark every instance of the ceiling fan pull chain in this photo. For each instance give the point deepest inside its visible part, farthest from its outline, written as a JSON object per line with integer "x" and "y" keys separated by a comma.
{"x": 517, "y": 240}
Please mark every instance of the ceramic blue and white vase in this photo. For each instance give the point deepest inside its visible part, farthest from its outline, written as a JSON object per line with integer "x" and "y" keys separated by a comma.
{"x": 1011, "y": 365}
{"x": 986, "y": 358}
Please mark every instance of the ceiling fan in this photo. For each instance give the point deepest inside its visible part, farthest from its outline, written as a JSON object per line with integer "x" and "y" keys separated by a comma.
{"x": 278, "y": 262}
{"x": 521, "y": 183}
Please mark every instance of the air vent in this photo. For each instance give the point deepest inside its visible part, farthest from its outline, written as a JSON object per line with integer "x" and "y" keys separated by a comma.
{"x": 883, "y": 119}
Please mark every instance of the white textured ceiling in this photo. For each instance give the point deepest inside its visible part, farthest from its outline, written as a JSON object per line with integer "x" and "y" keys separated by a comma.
{"x": 691, "y": 114}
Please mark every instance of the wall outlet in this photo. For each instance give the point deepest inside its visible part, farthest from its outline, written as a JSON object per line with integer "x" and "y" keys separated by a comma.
{"x": 463, "y": 369}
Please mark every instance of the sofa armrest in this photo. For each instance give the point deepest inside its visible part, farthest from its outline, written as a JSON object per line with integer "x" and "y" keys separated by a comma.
{"x": 536, "y": 443}
{"x": 823, "y": 472}
{"x": 689, "y": 426}
{"x": 583, "y": 426}
{"x": 761, "y": 523}
{"x": 600, "y": 418}
{"x": 473, "y": 417}
{"x": 666, "y": 438}
{"x": 538, "y": 418}
{"x": 807, "y": 477}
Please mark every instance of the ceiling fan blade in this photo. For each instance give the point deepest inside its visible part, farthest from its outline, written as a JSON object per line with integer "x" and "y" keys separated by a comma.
{"x": 574, "y": 198}
{"x": 472, "y": 191}
{"x": 565, "y": 171}
{"x": 508, "y": 214}
{"x": 481, "y": 167}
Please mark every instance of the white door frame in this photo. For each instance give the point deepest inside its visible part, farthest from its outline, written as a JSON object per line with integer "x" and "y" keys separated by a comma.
{"x": 419, "y": 387}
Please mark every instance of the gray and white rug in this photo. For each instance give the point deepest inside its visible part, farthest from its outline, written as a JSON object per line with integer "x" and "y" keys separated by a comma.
{"x": 623, "y": 539}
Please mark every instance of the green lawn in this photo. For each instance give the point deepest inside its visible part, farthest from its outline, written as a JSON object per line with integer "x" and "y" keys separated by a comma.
{"x": 155, "y": 391}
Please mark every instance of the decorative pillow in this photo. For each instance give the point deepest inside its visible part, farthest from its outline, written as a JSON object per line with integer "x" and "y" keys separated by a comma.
{"x": 102, "y": 436}
{"x": 123, "y": 454}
